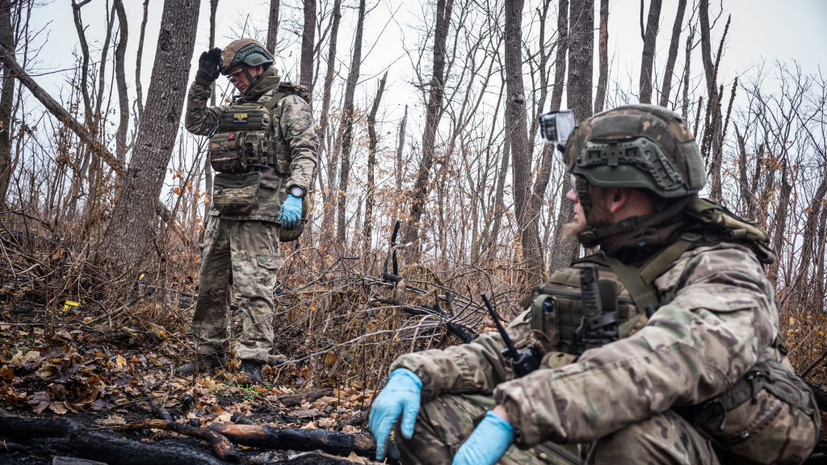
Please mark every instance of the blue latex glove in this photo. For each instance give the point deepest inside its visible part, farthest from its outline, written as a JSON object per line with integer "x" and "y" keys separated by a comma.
{"x": 291, "y": 212}
{"x": 487, "y": 443}
{"x": 401, "y": 396}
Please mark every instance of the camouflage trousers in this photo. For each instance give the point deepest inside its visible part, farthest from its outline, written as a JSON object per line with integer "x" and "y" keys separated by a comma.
{"x": 444, "y": 423}
{"x": 246, "y": 256}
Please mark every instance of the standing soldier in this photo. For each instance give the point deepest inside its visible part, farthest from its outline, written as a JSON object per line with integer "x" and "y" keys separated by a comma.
{"x": 263, "y": 147}
{"x": 670, "y": 355}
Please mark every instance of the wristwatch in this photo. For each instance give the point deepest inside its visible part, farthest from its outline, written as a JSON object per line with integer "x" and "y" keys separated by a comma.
{"x": 296, "y": 191}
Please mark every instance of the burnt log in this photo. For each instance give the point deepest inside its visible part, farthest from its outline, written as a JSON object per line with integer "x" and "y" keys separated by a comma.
{"x": 332, "y": 442}
{"x": 312, "y": 396}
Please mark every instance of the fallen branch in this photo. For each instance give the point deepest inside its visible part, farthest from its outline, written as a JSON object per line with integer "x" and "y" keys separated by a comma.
{"x": 332, "y": 442}
{"x": 294, "y": 400}
{"x": 219, "y": 444}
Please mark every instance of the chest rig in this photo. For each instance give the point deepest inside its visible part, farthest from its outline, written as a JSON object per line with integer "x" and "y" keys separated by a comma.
{"x": 768, "y": 416}
{"x": 248, "y": 138}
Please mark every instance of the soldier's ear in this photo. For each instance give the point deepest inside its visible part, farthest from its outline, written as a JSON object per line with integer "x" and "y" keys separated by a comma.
{"x": 618, "y": 198}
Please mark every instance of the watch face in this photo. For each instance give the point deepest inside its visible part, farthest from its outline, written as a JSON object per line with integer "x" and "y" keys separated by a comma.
{"x": 296, "y": 191}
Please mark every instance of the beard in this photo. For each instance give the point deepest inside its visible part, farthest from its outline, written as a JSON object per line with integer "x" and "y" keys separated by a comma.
{"x": 599, "y": 216}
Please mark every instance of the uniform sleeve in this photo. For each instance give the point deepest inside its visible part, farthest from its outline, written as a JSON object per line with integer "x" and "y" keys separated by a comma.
{"x": 299, "y": 130}
{"x": 474, "y": 367}
{"x": 200, "y": 119}
{"x": 720, "y": 323}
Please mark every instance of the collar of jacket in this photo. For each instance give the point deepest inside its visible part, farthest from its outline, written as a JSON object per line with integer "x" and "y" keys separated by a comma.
{"x": 652, "y": 233}
{"x": 269, "y": 80}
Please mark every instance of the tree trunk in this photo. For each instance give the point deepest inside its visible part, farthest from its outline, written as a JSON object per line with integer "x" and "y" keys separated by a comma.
{"x": 346, "y": 128}
{"x": 432, "y": 116}
{"x": 648, "y": 57}
{"x": 120, "y": 78}
{"x": 562, "y": 50}
{"x": 308, "y": 40}
{"x": 517, "y": 138}
{"x": 778, "y": 236}
{"x": 603, "y": 52}
{"x": 371, "y": 184}
{"x": 139, "y": 100}
{"x": 273, "y": 26}
{"x": 673, "y": 55}
{"x": 208, "y": 178}
{"x": 712, "y": 128}
{"x": 132, "y": 225}
{"x": 6, "y": 100}
{"x": 332, "y": 155}
{"x": 579, "y": 96}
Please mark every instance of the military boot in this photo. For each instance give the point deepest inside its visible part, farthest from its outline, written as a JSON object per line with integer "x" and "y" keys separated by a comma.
{"x": 202, "y": 364}
{"x": 252, "y": 368}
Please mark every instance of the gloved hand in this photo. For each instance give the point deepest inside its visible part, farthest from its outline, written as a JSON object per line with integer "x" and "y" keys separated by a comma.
{"x": 401, "y": 396}
{"x": 209, "y": 67}
{"x": 487, "y": 443}
{"x": 291, "y": 212}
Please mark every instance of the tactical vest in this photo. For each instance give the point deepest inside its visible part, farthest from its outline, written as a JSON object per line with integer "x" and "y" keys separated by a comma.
{"x": 246, "y": 141}
{"x": 770, "y": 408}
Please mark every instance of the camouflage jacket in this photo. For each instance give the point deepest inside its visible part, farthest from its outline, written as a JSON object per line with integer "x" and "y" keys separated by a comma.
{"x": 722, "y": 321}
{"x": 295, "y": 126}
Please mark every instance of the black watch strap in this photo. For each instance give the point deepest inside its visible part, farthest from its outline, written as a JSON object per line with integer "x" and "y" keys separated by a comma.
{"x": 296, "y": 191}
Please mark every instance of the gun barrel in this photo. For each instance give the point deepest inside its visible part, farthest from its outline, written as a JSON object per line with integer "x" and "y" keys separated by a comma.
{"x": 509, "y": 344}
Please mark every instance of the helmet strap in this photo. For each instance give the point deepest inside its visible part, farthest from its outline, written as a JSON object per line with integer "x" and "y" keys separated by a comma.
{"x": 592, "y": 236}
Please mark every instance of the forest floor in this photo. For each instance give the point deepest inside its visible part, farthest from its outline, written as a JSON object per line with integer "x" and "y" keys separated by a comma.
{"x": 104, "y": 379}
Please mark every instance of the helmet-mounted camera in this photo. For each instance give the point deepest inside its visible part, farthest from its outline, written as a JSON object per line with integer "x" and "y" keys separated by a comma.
{"x": 557, "y": 126}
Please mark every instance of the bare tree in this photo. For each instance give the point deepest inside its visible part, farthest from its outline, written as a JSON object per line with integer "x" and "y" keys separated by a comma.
{"x": 432, "y": 117}
{"x": 666, "y": 89}
{"x": 371, "y": 182}
{"x": 324, "y": 144}
{"x": 346, "y": 128}
{"x": 581, "y": 49}
{"x": 139, "y": 99}
{"x": 6, "y": 100}
{"x": 120, "y": 79}
{"x": 273, "y": 26}
{"x": 603, "y": 53}
{"x": 562, "y": 50}
{"x": 517, "y": 138}
{"x": 308, "y": 40}
{"x": 132, "y": 226}
{"x": 649, "y": 40}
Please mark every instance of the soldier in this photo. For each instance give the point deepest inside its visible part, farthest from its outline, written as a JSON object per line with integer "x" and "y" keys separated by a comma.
{"x": 681, "y": 364}
{"x": 263, "y": 147}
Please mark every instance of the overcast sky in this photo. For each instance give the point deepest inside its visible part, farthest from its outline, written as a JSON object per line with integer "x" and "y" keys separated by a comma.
{"x": 761, "y": 30}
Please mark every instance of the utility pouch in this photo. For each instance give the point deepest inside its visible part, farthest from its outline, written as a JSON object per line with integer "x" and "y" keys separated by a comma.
{"x": 239, "y": 152}
{"x": 770, "y": 416}
{"x": 235, "y": 194}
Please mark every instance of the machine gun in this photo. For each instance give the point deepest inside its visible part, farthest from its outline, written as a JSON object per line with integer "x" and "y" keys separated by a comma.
{"x": 522, "y": 361}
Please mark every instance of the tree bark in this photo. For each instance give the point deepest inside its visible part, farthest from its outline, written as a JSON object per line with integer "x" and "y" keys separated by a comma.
{"x": 273, "y": 26}
{"x": 132, "y": 226}
{"x": 579, "y": 96}
{"x": 666, "y": 89}
{"x": 562, "y": 50}
{"x": 433, "y": 113}
{"x": 648, "y": 57}
{"x": 603, "y": 56}
{"x": 120, "y": 79}
{"x": 517, "y": 137}
{"x": 371, "y": 183}
{"x": 139, "y": 99}
{"x": 348, "y": 114}
{"x": 308, "y": 40}
{"x": 6, "y": 100}
{"x": 332, "y": 155}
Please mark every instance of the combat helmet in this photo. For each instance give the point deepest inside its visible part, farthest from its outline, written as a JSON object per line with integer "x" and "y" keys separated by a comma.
{"x": 641, "y": 146}
{"x": 247, "y": 52}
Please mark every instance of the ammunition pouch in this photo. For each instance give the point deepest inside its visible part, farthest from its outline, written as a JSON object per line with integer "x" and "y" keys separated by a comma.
{"x": 236, "y": 194}
{"x": 768, "y": 417}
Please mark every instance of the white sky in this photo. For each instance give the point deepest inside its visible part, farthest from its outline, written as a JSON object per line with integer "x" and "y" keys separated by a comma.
{"x": 767, "y": 30}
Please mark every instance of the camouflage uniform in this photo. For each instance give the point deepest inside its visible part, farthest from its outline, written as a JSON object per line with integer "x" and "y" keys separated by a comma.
{"x": 629, "y": 400}
{"x": 242, "y": 250}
